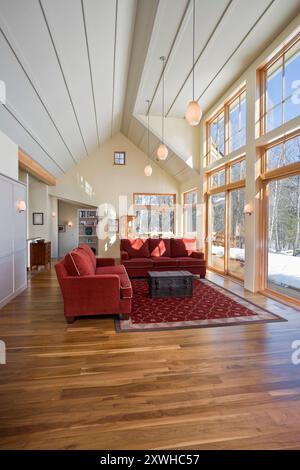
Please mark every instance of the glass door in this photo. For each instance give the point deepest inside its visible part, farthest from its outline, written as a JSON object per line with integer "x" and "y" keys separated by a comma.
{"x": 216, "y": 231}
{"x": 283, "y": 231}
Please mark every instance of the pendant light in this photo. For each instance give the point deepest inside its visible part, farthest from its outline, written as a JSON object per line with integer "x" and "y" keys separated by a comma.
{"x": 193, "y": 112}
{"x": 148, "y": 167}
{"x": 162, "y": 151}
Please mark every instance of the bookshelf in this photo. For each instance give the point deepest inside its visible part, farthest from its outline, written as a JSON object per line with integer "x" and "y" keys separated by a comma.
{"x": 87, "y": 228}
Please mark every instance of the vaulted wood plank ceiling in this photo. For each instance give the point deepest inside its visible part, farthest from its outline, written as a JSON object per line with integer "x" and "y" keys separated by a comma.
{"x": 78, "y": 71}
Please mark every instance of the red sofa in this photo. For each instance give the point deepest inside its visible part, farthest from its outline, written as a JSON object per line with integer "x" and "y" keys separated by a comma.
{"x": 140, "y": 255}
{"x": 93, "y": 286}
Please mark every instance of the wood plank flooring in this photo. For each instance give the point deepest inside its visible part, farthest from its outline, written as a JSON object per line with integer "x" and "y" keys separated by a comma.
{"x": 82, "y": 386}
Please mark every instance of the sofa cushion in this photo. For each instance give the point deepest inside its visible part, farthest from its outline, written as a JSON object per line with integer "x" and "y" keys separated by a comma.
{"x": 119, "y": 269}
{"x": 165, "y": 262}
{"x": 182, "y": 246}
{"x": 87, "y": 249}
{"x": 136, "y": 247}
{"x": 138, "y": 263}
{"x": 78, "y": 263}
{"x": 160, "y": 247}
{"x": 125, "y": 284}
{"x": 188, "y": 261}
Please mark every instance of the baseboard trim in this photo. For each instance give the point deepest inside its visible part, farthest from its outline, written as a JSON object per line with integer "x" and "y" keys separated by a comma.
{"x": 10, "y": 297}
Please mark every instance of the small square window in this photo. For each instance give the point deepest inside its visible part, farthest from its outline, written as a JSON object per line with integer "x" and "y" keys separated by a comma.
{"x": 119, "y": 158}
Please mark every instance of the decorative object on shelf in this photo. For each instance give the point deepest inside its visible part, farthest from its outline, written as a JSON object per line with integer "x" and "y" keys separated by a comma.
{"x": 193, "y": 112}
{"x": 162, "y": 151}
{"x": 21, "y": 206}
{"x": 38, "y": 218}
{"x": 113, "y": 226}
{"x": 87, "y": 228}
{"x": 61, "y": 228}
{"x": 148, "y": 167}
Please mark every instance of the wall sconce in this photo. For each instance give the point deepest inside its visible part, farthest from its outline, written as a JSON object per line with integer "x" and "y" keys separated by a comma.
{"x": 53, "y": 214}
{"x": 248, "y": 209}
{"x": 21, "y": 206}
{"x": 70, "y": 224}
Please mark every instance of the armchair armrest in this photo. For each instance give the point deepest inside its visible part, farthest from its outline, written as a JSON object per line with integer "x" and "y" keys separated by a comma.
{"x": 104, "y": 262}
{"x": 91, "y": 294}
{"x": 197, "y": 254}
{"x": 124, "y": 255}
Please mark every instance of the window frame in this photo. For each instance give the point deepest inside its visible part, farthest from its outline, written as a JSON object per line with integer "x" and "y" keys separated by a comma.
{"x": 223, "y": 109}
{"x": 226, "y": 188}
{"x": 118, "y": 152}
{"x": 263, "y": 84}
{"x": 187, "y": 206}
{"x": 228, "y": 184}
{"x": 266, "y": 177}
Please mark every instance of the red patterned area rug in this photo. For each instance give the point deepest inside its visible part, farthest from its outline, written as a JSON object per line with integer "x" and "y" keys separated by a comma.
{"x": 211, "y": 305}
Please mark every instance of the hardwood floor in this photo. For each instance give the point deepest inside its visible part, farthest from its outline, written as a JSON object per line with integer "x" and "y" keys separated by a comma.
{"x": 82, "y": 386}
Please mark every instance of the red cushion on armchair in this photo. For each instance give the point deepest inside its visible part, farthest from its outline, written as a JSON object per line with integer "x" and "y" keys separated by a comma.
{"x": 87, "y": 249}
{"x": 78, "y": 263}
{"x": 160, "y": 247}
{"x": 136, "y": 247}
{"x": 183, "y": 246}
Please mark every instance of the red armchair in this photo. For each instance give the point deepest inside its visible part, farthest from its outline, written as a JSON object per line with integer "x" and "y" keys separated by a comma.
{"x": 93, "y": 286}
{"x": 139, "y": 256}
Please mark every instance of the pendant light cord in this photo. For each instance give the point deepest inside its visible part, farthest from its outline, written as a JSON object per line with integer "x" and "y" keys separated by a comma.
{"x": 194, "y": 51}
{"x": 163, "y": 99}
{"x": 148, "y": 140}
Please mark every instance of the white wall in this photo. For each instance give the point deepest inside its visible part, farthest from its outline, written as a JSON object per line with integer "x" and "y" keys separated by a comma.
{"x": 9, "y": 156}
{"x": 13, "y": 277}
{"x": 95, "y": 181}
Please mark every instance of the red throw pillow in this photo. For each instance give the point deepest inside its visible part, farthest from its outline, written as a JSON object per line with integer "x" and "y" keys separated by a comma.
{"x": 78, "y": 263}
{"x": 136, "y": 247}
{"x": 182, "y": 246}
{"x": 87, "y": 249}
{"x": 160, "y": 247}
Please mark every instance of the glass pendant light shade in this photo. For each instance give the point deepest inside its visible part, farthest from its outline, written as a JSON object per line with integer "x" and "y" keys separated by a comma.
{"x": 162, "y": 152}
{"x": 193, "y": 113}
{"x": 148, "y": 170}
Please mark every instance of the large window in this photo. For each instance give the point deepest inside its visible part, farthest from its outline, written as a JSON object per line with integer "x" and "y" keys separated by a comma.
{"x": 280, "y": 94}
{"x": 284, "y": 153}
{"x": 281, "y": 187}
{"x": 225, "y": 219}
{"x": 155, "y": 214}
{"x": 190, "y": 212}
{"x": 226, "y": 130}
{"x": 237, "y": 123}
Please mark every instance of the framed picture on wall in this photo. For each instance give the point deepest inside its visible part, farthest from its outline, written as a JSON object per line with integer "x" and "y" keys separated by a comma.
{"x": 38, "y": 218}
{"x": 61, "y": 228}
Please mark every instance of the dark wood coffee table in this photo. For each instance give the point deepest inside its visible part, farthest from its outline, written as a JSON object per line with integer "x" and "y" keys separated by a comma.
{"x": 170, "y": 284}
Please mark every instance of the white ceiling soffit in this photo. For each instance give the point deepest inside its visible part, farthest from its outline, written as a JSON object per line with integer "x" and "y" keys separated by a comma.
{"x": 230, "y": 34}
{"x": 65, "y": 64}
